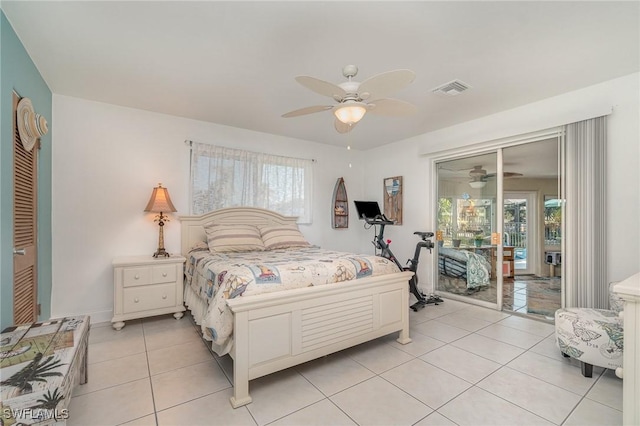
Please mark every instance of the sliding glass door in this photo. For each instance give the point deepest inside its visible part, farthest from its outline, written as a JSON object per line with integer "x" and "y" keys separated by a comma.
{"x": 467, "y": 214}
{"x": 499, "y": 228}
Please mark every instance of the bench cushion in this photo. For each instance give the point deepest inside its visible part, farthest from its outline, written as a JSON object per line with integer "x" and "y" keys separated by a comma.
{"x": 593, "y": 336}
{"x": 39, "y": 365}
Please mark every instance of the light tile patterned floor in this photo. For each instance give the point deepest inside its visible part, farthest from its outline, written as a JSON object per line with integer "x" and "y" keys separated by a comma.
{"x": 467, "y": 365}
{"x": 537, "y": 297}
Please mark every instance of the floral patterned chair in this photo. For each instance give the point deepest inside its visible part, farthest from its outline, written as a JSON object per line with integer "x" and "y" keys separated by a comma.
{"x": 592, "y": 336}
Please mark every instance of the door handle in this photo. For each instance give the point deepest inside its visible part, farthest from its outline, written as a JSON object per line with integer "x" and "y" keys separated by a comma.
{"x": 20, "y": 252}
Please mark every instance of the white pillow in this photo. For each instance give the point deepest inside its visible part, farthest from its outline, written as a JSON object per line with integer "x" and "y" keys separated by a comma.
{"x": 282, "y": 236}
{"x": 233, "y": 238}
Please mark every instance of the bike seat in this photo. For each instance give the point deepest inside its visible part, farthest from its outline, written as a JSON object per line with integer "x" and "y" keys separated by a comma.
{"x": 424, "y": 235}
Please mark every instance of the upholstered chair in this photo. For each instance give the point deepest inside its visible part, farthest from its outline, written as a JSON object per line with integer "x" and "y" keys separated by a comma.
{"x": 592, "y": 336}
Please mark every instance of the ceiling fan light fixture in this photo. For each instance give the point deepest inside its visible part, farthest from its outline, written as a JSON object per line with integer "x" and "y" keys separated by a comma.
{"x": 350, "y": 113}
{"x": 477, "y": 184}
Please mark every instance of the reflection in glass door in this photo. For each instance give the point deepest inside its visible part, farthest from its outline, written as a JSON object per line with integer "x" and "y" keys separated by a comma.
{"x": 466, "y": 218}
{"x": 518, "y": 234}
{"x": 524, "y": 214}
{"x": 532, "y": 228}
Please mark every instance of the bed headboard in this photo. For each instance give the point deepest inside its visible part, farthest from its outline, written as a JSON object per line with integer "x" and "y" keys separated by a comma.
{"x": 192, "y": 227}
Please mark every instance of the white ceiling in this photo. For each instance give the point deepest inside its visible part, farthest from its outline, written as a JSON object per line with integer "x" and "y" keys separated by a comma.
{"x": 234, "y": 63}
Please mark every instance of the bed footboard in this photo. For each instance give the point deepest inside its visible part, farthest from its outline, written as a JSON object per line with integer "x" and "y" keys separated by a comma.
{"x": 452, "y": 267}
{"x": 276, "y": 331}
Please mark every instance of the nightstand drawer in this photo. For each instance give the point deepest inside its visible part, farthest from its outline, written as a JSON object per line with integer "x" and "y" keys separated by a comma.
{"x": 163, "y": 274}
{"x": 144, "y": 286}
{"x": 136, "y": 276}
{"x": 149, "y": 297}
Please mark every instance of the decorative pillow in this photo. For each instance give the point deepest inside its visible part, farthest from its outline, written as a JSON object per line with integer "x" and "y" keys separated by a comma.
{"x": 233, "y": 238}
{"x": 199, "y": 246}
{"x": 282, "y": 236}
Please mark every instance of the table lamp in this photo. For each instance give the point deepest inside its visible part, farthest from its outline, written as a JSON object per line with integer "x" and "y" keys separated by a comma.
{"x": 160, "y": 202}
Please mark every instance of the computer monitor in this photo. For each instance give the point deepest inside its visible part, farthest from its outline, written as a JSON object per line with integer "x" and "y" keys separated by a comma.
{"x": 369, "y": 209}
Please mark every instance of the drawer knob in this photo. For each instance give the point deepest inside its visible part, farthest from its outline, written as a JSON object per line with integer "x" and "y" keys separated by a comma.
{"x": 164, "y": 296}
{"x": 136, "y": 300}
{"x": 137, "y": 277}
{"x": 164, "y": 274}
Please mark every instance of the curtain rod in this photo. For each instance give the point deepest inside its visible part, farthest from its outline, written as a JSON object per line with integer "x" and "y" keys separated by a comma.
{"x": 190, "y": 143}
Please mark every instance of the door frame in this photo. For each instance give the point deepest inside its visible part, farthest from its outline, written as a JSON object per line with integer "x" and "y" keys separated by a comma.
{"x": 532, "y": 232}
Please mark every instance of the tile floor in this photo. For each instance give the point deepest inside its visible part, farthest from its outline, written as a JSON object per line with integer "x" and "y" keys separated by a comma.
{"x": 467, "y": 365}
{"x": 530, "y": 295}
{"x": 537, "y": 297}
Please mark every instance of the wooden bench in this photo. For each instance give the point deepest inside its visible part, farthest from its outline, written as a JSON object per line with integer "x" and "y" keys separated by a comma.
{"x": 39, "y": 365}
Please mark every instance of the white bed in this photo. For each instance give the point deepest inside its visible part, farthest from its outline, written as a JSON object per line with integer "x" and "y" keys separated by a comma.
{"x": 271, "y": 331}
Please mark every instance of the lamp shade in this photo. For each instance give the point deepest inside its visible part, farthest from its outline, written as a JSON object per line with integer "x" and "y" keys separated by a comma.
{"x": 160, "y": 201}
{"x": 477, "y": 184}
{"x": 351, "y": 112}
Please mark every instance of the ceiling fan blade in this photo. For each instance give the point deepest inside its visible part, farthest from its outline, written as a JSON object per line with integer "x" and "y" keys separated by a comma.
{"x": 343, "y": 127}
{"x": 386, "y": 83}
{"x": 506, "y": 175}
{"x": 459, "y": 169}
{"x": 322, "y": 87}
{"x": 392, "y": 107}
{"x": 307, "y": 110}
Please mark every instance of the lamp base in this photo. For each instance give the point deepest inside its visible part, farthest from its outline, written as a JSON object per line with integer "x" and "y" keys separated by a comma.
{"x": 161, "y": 253}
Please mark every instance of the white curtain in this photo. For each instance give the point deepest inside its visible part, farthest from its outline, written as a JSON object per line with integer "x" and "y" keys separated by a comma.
{"x": 584, "y": 190}
{"x": 225, "y": 177}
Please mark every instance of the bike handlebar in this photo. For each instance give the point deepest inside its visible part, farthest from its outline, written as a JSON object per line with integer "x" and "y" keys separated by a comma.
{"x": 378, "y": 220}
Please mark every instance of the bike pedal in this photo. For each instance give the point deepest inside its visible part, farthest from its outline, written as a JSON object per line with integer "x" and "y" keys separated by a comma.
{"x": 417, "y": 306}
{"x": 435, "y": 297}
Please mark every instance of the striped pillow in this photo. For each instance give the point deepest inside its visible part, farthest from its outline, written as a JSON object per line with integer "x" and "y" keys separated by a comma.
{"x": 282, "y": 236}
{"x": 233, "y": 238}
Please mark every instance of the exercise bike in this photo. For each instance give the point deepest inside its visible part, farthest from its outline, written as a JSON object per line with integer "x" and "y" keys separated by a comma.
{"x": 385, "y": 251}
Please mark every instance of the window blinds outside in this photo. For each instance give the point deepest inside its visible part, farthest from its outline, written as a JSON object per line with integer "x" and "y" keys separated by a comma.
{"x": 226, "y": 177}
{"x": 584, "y": 189}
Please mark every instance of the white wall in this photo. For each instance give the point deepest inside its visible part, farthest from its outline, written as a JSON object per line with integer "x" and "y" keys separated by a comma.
{"x": 402, "y": 159}
{"x": 106, "y": 161}
{"x": 409, "y": 158}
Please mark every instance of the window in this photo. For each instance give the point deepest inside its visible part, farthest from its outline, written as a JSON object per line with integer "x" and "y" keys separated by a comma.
{"x": 225, "y": 177}
{"x": 552, "y": 220}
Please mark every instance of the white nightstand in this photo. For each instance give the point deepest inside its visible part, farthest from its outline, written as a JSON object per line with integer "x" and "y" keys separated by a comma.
{"x": 144, "y": 286}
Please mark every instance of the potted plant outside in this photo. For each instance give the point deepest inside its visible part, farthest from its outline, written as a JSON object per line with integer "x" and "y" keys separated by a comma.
{"x": 478, "y": 239}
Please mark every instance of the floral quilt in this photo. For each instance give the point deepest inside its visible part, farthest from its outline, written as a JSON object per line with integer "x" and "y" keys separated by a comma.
{"x": 221, "y": 276}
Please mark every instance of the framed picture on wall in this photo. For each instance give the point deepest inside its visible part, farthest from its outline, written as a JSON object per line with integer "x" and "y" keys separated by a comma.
{"x": 392, "y": 188}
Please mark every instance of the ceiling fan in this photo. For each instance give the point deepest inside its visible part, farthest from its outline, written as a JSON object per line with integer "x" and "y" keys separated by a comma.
{"x": 479, "y": 176}
{"x": 479, "y": 173}
{"x": 353, "y": 97}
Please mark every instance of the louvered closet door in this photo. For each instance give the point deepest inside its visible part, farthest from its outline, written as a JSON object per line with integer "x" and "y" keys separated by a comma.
{"x": 24, "y": 227}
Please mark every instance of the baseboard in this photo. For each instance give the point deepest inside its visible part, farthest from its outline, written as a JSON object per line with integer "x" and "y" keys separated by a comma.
{"x": 96, "y": 316}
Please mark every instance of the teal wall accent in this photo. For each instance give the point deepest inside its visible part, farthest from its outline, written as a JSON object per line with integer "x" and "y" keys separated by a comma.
{"x": 19, "y": 73}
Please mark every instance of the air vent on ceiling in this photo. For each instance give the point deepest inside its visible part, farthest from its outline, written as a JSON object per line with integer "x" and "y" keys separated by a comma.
{"x": 452, "y": 88}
